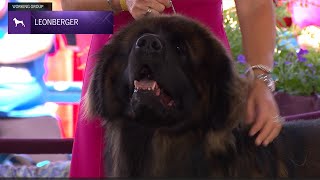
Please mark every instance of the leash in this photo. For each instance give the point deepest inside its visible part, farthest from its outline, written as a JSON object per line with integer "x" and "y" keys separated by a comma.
{"x": 172, "y": 6}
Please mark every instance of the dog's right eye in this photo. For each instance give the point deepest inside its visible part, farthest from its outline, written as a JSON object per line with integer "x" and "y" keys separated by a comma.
{"x": 181, "y": 49}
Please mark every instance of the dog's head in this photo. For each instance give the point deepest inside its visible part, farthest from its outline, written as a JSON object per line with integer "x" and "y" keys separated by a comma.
{"x": 166, "y": 71}
{"x": 14, "y": 19}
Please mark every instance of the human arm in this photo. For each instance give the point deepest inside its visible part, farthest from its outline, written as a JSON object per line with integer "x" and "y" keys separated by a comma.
{"x": 257, "y": 23}
{"x": 137, "y": 8}
{"x": 87, "y": 5}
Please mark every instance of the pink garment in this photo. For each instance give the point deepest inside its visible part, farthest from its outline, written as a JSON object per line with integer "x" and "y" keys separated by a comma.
{"x": 87, "y": 156}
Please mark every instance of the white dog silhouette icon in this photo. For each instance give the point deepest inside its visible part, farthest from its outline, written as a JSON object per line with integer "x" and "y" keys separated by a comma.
{"x": 16, "y": 21}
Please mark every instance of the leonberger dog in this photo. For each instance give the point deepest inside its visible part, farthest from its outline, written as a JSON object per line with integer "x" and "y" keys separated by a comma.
{"x": 173, "y": 105}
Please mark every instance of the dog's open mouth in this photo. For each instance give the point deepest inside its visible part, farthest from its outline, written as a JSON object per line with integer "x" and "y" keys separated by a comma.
{"x": 151, "y": 86}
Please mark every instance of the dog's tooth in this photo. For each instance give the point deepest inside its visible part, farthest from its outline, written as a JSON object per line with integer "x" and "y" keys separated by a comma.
{"x": 135, "y": 90}
{"x": 154, "y": 85}
{"x": 170, "y": 103}
{"x": 135, "y": 83}
{"x": 149, "y": 89}
{"x": 158, "y": 92}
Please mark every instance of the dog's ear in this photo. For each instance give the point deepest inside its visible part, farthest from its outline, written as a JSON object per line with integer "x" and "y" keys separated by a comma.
{"x": 103, "y": 97}
{"x": 227, "y": 92}
{"x": 94, "y": 100}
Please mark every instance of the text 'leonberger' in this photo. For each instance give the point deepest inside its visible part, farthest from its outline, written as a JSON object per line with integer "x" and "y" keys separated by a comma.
{"x": 173, "y": 106}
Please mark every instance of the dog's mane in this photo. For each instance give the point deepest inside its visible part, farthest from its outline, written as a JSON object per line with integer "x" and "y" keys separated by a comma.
{"x": 154, "y": 151}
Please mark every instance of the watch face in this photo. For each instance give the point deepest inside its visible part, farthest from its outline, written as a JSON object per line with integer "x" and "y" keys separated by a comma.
{"x": 271, "y": 84}
{"x": 268, "y": 80}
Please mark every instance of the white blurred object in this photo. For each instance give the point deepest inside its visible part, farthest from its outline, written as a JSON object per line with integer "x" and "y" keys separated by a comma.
{"x": 3, "y": 7}
{"x": 227, "y": 4}
{"x": 3, "y": 4}
{"x": 310, "y": 37}
{"x": 52, "y": 107}
{"x": 17, "y": 75}
{"x": 20, "y": 48}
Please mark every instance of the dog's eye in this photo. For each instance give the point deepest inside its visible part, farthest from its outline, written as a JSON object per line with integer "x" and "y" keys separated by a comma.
{"x": 178, "y": 49}
{"x": 181, "y": 49}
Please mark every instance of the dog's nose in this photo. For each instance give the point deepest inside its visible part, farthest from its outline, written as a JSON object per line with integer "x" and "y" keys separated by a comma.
{"x": 149, "y": 43}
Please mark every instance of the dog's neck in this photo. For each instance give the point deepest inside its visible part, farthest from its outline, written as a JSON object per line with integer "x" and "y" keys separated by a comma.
{"x": 137, "y": 151}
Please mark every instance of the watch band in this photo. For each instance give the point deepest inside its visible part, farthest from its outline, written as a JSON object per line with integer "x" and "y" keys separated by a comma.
{"x": 259, "y": 66}
{"x": 268, "y": 80}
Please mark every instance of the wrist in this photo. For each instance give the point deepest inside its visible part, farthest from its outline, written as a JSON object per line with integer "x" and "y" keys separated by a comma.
{"x": 257, "y": 84}
{"x": 114, "y": 5}
{"x": 265, "y": 79}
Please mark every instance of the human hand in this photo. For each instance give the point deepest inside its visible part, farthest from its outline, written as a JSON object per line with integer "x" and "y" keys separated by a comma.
{"x": 262, "y": 113}
{"x": 140, "y": 8}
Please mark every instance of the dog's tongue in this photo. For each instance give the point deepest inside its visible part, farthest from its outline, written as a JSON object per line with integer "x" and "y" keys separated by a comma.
{"x": 145, "y": 84}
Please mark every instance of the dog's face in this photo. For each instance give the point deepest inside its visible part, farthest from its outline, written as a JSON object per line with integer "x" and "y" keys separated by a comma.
{"x": 165, "y": 71}
{"x": 157, "y": 73}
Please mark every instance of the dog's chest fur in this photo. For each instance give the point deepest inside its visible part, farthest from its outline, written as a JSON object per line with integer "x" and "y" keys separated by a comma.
{"x": 137, "y": 152}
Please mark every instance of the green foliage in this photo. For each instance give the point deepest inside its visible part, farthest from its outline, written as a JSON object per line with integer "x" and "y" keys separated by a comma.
{"x": 295, "y": 76}
{"x": 296, "y": 71}
{"x": 232, "y": 29}
{"x": 281, "y": 10}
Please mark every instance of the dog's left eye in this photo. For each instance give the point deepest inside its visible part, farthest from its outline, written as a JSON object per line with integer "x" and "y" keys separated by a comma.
{"x": 181, "y": 49}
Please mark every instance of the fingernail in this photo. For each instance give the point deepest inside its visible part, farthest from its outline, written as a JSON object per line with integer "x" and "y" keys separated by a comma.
{"x": 252, "y": 133}
{"x": 258, "y": 142}
{"x": 265, "y": 143}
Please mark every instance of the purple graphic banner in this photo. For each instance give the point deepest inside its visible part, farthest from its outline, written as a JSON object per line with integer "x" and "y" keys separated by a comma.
{"x": 60, "y": 22}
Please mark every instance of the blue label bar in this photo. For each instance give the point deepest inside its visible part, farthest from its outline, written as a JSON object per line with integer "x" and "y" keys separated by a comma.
{"x": 60, "y": 22}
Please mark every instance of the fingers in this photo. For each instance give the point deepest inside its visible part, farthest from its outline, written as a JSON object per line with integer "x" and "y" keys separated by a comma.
{"x": 262, "y": 112}
{"x": 152, "y": 13}
{"x": 257, "y": 126}
{"x": 264, "y": 132}
{"x": 268, "y": 130}
{"x": 166, "y": 3}
{"x": 137, "y": 8}
{"x": 155, "y": 5}
{"x": 141, "y": 8}
{"x": 275, "y": 132}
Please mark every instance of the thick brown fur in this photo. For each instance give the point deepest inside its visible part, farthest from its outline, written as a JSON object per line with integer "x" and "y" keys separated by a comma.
{"x": 204, "y": 136}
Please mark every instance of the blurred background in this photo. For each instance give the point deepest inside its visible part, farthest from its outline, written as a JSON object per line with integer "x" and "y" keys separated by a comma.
{"x": 41, "y": 76}
{"x": 40, "y": 88}
{"x": 296, "y": 56}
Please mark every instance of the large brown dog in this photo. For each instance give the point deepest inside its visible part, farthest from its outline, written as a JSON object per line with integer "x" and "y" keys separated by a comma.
{"x": 174, "y": 105}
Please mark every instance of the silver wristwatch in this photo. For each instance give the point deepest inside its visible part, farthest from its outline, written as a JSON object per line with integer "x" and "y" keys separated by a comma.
{"x": 268, "y": 80}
